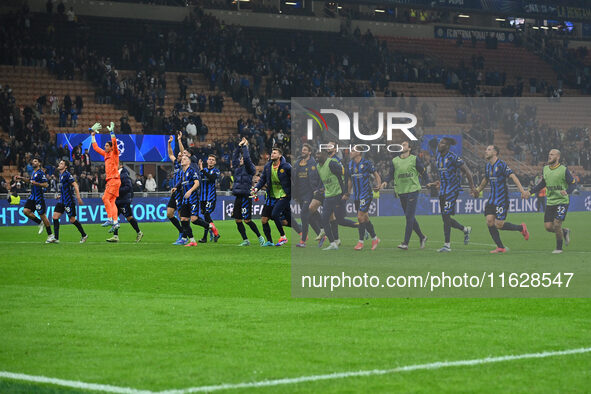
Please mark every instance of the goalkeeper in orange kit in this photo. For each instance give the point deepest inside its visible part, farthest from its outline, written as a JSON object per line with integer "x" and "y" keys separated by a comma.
{"x": 111, "y": 155}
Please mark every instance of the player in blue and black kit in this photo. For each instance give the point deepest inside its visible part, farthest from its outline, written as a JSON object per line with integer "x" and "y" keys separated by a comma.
{"x": 36, "y": 201}
{"x": 208, "y": 195}
{"x": 496, "y": 173}
{"x": 360, "y": 172}
{"x": 450, "y": 166}
{"x": 305, "y": 181}
{"x": 176, "y": 197}
{"x": 68, "y": 187}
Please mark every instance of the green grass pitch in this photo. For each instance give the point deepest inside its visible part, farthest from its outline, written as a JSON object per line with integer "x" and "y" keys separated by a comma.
{"x": 158, "y": 317}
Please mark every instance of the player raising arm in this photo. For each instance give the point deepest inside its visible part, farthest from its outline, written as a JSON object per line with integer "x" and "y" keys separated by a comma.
{"x": 111, "y": 155}
{"x": 174, "y": 204}
{"x": 559, "y": 183}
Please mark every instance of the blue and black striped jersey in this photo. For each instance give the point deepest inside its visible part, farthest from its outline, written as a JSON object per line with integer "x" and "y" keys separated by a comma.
{"x": 188, "y": 180}
{"x": 207, "y": 185}
{"x": 176, "y": 178}
{"x": 37, "y": 191}
{"x": 449, "y": 166}
{"x": 66, "y": 189}
{"x": 360, "y": 174}
{"x": 497, "y": 175}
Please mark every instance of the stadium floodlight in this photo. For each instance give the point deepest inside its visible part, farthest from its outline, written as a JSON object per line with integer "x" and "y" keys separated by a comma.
{"x": 463, "y": 16}
{"x": 535, "y": 28}
{"x": 544, "y": 27}
{"x": 290, "y": 3}
{"x": 500, "y": 19}
{"x": 380, "y": 11}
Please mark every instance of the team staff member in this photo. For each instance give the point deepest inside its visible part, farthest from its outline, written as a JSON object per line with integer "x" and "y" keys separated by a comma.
{"x": 276, "y": 177}
{"x": 333, "y": 187}
{"x": 407, "y": 168}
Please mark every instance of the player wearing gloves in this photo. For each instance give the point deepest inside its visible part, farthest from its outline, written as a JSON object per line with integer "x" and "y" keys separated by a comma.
{"x": 111, "y": 155}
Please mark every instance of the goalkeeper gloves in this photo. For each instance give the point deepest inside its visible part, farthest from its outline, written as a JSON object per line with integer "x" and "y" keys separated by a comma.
{"x": 111, "y": 127}
{"x": 95, "y": 127}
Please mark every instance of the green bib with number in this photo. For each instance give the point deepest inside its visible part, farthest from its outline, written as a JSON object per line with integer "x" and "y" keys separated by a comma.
{"x": 332, "y": 187}
{"x": 406, "y": 176}
{"x": 555, "y": 182}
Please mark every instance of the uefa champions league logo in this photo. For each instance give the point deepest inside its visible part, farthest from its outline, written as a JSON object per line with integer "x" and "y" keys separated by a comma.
{"x": 588, "y": 203}
{"x": 229, "y": 209}
{"x": 120, "y": 146}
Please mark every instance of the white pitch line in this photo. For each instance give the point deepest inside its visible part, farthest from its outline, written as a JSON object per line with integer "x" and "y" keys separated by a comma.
{"x": 277, "y": 382}
{"x": 105, "y": 388}
{"x": 408, "y": 368}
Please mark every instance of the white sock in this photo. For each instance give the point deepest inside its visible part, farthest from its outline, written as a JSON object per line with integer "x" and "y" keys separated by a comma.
{"x": 375, "y": 238}
{"x": 192, "y": 240}
{"x": 360, "y": 241}
{"x": 447, "y": 244}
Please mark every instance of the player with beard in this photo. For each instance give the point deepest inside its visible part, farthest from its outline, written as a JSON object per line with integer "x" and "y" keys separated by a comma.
{"x": 559, "y": 183}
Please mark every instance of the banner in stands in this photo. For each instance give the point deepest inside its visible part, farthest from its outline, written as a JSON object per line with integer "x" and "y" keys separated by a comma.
{"x": 153, "y": 209}
{"x": 132, "y": 147}
{"x": 557, "y": 11}
{"x": 446, "y": 32}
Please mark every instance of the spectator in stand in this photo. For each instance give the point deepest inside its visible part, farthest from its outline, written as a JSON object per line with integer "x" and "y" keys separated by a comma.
{"x": 191, "y": 131}
{"x": 151, "y": 184}
{"x": 86, "y": 163}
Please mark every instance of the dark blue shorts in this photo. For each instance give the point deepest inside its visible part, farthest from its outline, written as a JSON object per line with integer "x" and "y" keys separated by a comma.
{"x": 557, "y": 212}
{"x": 38, "y": 206}
{"x": 500, "y": 211}
{"x": 447, "y": 204}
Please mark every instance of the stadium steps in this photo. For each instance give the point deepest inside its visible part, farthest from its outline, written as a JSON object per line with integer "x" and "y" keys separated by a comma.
{"x": 28, "y": 83}
{"x": 515, "y": 61}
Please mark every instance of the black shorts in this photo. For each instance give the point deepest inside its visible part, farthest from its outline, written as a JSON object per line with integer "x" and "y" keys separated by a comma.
{"x": 500, "y": 211}
{"x": 242, "y": 208}
{"x": 557, "y": 212}
{"x": 319, "y": 196}
{"x": 187, "y": 210}
{"x": 38, "y": 206}
{"x": 70, "y": 210}
{"x": 447, "y": 204}
{"x": 172, "y": 203}
{"x": 268, "y": 207}
{"x": 124, "y": 209}
{"x": 207, "y": 206}
{"x": 363, "y": 205}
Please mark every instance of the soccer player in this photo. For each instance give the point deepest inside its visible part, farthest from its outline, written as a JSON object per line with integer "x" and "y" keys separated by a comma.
{"x": 407, "y": 168}
{"x": 123, "y": 203}
{"x": 559, "y": 183}
{"x": 449, "y": 166}
{"x": 176, "y": 197}
{"x": 496, "y": 209}
{"x": 208, "y": 195}
{"x": 276, "y": 177}
{"x": 333, "y": 185}
{"x": 189, "y": 209}
{"x": 244, "y": 170}
{"x": 306, "y": 180}
{"x": 361, "y": 170}
{"x": 67, "y": 203}
{"x": 111, "y": 155}
{"x": 36, "y": 201}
